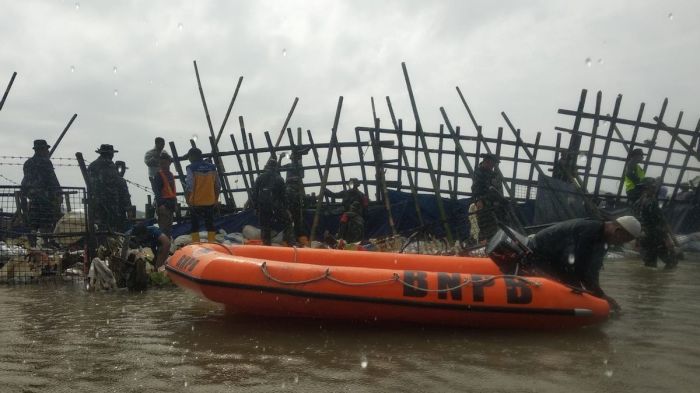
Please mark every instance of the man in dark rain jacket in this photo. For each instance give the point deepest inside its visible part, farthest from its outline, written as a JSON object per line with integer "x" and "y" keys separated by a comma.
{"x": 108, "y": 191}
{"x": 269, "y": 200}
{"x": 41, "y": 186}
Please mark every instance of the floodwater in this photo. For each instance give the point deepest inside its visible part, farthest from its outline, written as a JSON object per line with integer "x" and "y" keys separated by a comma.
{"x": 55, "y": 337}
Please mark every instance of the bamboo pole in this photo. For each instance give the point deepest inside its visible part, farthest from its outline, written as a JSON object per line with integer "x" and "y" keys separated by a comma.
{"x": 286, "y": 121}
{"x": 316, "y": 158}
{"x": 377, "y": 151}
{"x": 399, "y": 178}
{"x": 686, "y": 159}
{"x": 7, "y": 90}
{"x": 606, "y": 147}
{"x": 433, "y": 179}
{"x": 361, "y": 156}
{"x": 60, "y": 137}
{"x": 668, "y": 154}
{"x": 532, "y": 166}
{"x": 223, "y": 179}
{"x": 326, "y": 170}
{"x": 594, "y": 136}
{"x": 228, "y": 111}
{"x": 178, "y": 166}
{"x": 240, "y": 165}
{"x": 656, "y": 133}
{"x": 251, "y": 143}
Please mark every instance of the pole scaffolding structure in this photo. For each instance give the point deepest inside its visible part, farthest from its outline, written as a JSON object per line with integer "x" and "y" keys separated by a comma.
{"x": 228, "y": 111}
{"x": 286, "y": 121}
{"x": 378, "y": 165}
{"x": 7, "y": 90}
{"x": 217, "y": 160}
{"x": 326, "y": 169}
{"x": 60, "y": 137}
{"x": 433, "y": 179}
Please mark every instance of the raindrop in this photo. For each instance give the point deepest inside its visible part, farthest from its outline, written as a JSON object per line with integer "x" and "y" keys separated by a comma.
{"x": 605, "y": 361}
{"x": 97, "y": 334}
{"x": 114, "y": 69}
{"x": 116, "y": 92}
{"x": 572, "y": 259}
{"x": 588, "y": 61}
{"x": 77, "y": 6}
{"x": 600, "y": 61}
{"x": 194, "y": 137}
{"x": 179, "y": 26}
{"x": 363, "y": 361}
{"x": 284, "y": 52}
{"x": 608, "y": 373}
{"x": 72, "y": 68}
{"x": 186, "y": 384}
{"x": 670, "y": 16}
{"x": 108, "y": 322}
{"x": 296, "y": 378}
{"x": 193, "y": 328}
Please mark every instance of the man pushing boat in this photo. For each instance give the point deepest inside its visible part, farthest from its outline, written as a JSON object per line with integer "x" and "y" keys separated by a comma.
{"x": 573, "y": 251}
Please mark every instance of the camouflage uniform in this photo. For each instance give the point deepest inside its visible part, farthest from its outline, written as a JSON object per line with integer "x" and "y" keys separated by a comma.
{"x": 269, "y": 200}
{"x": 352, "y": 225}
{"x": 40, "y": 185}
{"x": 294, "y": 193}
{"x": 109, "y": 197}
{"x": 654, "y": 242}
{"x": 485, "y": 186}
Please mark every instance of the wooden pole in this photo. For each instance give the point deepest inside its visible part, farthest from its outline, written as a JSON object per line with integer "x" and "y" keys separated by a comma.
{"x": 240, "y": 165}
{"x": 60, "y": 137}
{"x": 594, "y": 132}
{"x": 204, "y": 101}
{"x": 316, "y": 158}
{"x": 286, "y": 121}
{"x": 670, "y": 152}
{"x": 433, "y": 179}
{"x": 693, "y": 142}
{"x": 255, "y": 157}
{"x": 656, "y": 133}
{"x": 606, "y": 147}
{"x": 241, "y": 124}
{"x": 377, "y": 150}
{"x": 7, "y": 90}
{"x": 326, "y": 169}
{"x": 228, "y": 111}
{"x": 455, "y": 178}
{"x": 178, "y": 166}
{"x": 223, "y": 179}
{"x": 400, "y": 143}
{"x": 532, "y": 166}
{"x": 361, "y": 155}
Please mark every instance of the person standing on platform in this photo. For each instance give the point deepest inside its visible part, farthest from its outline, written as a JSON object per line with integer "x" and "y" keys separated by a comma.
{"x": 656, "y": 241}
{"x": 634, "y": 175}
{"x": 486, "y": 193}
{"x": 40, "y": 185}
{"x": 202, "y": 190}
{"x": 152, "y": 158}
{"x": 269, "y": 201}
{"x": 295, "y": 195}
{"x": 108, "y": 191}
{"x": 165, "y": 193}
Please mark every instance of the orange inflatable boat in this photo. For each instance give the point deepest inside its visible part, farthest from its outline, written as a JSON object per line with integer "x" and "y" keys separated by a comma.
{"x": 370, "y": 286}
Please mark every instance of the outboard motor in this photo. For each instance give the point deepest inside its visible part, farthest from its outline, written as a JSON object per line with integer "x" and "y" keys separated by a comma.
{"x": 508, "y": 249}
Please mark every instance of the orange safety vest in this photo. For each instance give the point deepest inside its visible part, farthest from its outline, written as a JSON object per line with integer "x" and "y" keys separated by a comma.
{"x": 166, "y": 192}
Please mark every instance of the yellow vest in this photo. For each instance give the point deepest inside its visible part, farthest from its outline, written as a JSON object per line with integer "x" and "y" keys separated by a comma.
{"x": 629, "y": 183}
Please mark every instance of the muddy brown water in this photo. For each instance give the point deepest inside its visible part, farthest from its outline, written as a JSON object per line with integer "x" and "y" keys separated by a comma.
{"x": 56, "y": 337}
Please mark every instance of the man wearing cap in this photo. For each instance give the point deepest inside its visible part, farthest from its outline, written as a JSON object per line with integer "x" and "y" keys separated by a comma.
{"x": 41, "y": 186}
{"x": 268, "y": 198}
{"x": 202, "y": 190}
{"x": 634, "y": 174}
{"x": 109, "y": 192}
{"x": 487, "y": 195}
{"x": 572, "y": 251}
{"x": 165, "y": 193}
{"x": 656, "y": 240}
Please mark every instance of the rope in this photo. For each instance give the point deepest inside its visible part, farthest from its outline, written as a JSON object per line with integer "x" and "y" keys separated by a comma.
{"x": 395, "y": 278}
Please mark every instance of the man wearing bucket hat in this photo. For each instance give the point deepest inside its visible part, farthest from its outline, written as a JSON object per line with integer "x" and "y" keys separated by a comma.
{"x": 656, "y": 241}
{"x": 634, "y": 174}
{"x": 572, "y": 251}
{"x": 107, "y": 189}
{"x": 40, "y": 185}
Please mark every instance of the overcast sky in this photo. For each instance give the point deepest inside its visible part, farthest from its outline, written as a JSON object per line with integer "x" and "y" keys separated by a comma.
{"x": 125, "y": 67}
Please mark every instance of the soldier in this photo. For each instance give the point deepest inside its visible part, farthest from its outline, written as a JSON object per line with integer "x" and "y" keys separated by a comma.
{"x": 634, "y": 174}
{"x": 269, "y": 200}
{"x": 164, "y": 190}
{"x": 486, "y": 191}
{"x": 566, "y": 169}
{"x": 352, "y": 194}
{"x": 41, "y": 186}
{"x": 352, "y": 225}
{"x": 109, "y": 193}
{"x": 294, "y": 193}
{"x": 202, "y": 190}
{"x": 656, "y": 241}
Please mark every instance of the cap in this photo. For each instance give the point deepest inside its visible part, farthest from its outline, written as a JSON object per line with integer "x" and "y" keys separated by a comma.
{"x": 631, "y": 225}
{"x": 106, "y": 149}
{"x": 40, "y": 144}
{"x": 489, "y": 156}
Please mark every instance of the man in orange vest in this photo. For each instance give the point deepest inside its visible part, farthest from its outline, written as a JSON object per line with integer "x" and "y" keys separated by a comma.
{"x": 202, "y": 193}
{"x": 164, "y": 190}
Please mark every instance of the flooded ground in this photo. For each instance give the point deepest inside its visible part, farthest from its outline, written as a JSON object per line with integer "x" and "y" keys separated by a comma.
{"x": 55, "y": 337}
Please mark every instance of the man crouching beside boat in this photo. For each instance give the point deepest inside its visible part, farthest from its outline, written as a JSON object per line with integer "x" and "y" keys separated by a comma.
{"x": 572, "y": 251}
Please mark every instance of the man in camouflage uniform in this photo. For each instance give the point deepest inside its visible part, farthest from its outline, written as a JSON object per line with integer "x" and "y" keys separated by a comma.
{"x": 486, "y": 192}
{"x": 268, "y": 198}
{"x": 109, "y": 193}
{"x": 352, "y": 194}
{"x": 656, "y": 241}
{"x": 41, "y": 187}
{"x": 634, "y": 175}
{"x": 566, "y": 168}
{"x": 294, "y": 192}
{"x": 352, "y": 225}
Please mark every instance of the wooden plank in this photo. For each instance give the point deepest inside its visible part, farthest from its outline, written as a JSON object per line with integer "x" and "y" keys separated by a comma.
{"x": 606, "y": 147}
